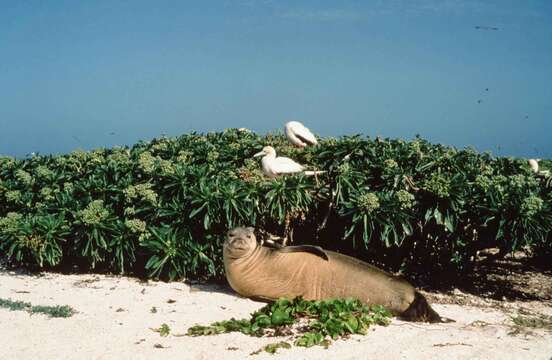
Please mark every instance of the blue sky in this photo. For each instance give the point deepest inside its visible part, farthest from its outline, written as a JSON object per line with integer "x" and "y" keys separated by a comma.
{"x": 87, "y": 74}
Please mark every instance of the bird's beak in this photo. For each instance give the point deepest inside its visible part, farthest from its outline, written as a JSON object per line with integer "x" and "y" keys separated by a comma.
{"x": 260, "y": 153}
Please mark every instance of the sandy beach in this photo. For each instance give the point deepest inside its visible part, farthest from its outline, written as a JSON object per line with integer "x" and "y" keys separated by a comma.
{"x": 115, "y": 317}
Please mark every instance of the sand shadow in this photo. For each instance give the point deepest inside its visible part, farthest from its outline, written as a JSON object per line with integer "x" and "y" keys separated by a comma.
{"x": 212, "y": 287}
{"x": 512, "y": 279}
{"x": 21, "y": 272}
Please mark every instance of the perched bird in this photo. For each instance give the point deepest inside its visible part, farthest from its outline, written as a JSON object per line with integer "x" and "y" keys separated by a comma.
{"x": 299, "y": 135}
{"x": 275, "y": 166}
{"x": 534, "y": 164}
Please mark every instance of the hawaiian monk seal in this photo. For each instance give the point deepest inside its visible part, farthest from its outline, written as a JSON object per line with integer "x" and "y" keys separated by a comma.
{"x": 270, "y": 273}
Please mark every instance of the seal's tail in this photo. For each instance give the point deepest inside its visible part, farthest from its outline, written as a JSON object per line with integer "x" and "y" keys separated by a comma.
{"x": 420, "y": 310}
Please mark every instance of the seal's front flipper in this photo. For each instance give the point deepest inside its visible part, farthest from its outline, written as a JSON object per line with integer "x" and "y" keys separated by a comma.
{"x": 316, "y": 250}
{"x": 271, "y": 244}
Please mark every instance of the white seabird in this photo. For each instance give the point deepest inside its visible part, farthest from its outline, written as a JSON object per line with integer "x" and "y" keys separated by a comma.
{"x": 534, "y": 164}
{"x": 275, "y": 166}
{"x": 299, "y": 135}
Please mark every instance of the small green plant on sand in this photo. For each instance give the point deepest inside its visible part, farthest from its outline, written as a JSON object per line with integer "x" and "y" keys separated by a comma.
{"x": 52, "y": 311}
{"x": 273, "y": 347}
{"x": 164, "y": 330}
{"x": 308, "y": 323}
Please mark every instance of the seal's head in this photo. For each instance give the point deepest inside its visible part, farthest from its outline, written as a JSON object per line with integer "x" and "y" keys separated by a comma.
{"x": 240, "y": 242}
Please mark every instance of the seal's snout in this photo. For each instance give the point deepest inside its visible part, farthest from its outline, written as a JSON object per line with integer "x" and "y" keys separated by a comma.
{"x": 240, "y": 242}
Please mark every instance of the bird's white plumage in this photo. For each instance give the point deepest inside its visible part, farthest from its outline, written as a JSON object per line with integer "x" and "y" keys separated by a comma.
{"x": 299, "y": 135}
{"x": 274, "y": 166}
{"x": 534, "y": 164}
{"x": 285, "y": 165}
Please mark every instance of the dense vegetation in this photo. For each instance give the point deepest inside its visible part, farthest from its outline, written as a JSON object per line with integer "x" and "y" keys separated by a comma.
{"x": 162, "y": 208}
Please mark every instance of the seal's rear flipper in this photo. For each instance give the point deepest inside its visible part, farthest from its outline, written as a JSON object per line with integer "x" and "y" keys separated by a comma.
{"x": 316, "y": 250}
{"x": 420, "y": 310}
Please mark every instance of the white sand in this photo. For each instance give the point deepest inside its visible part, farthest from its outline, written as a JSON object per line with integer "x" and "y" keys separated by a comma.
{"x": 114, "y": 321}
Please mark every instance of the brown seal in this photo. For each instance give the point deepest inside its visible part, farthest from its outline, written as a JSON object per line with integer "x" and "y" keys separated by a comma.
{"x": 270, "y": 273}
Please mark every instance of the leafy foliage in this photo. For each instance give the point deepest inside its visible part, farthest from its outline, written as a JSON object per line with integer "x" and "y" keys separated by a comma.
{"x": 163, "y": 207}
{"x": 316, "y": 322}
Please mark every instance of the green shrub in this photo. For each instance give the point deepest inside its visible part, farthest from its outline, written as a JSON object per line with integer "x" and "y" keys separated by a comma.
{"x": 163, "y": 207}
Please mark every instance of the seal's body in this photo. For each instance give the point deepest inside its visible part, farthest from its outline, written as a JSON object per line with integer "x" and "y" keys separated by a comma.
{"x": 261, "y": 272}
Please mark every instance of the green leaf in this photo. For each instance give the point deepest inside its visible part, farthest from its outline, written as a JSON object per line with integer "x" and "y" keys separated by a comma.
{"x": 438, "y": 216}
{"x": 279, "y": 317}
{"x": 448, "y": 223}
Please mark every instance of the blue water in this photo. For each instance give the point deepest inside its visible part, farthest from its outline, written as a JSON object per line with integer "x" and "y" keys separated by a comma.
{"x": 103, "y": 73}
